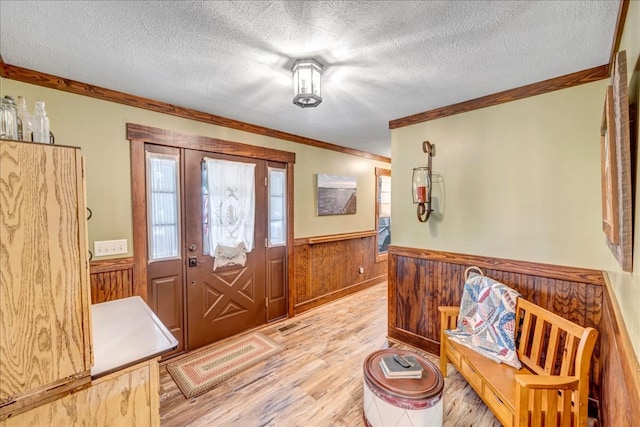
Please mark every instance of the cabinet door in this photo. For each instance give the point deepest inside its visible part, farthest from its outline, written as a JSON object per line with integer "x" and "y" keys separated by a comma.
{"x": 45, "y": 339}
{"x": 125, "y": 398}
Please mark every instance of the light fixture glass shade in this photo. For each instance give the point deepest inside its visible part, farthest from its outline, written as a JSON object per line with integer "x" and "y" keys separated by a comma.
{"x": 421, "y": 184}
{"x": 306, "y": 83}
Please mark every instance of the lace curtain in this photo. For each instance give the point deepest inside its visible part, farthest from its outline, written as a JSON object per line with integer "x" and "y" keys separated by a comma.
{"x": 231, "y": 188}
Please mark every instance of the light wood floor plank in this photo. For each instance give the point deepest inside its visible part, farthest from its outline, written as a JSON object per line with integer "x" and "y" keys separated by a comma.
{"x": 317, "y": 379}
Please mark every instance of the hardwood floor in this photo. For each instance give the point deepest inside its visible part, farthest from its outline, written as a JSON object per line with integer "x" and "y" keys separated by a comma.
{"x": 317, "y": 379}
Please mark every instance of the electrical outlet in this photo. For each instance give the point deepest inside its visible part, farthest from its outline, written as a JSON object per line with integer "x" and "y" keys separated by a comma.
{"x": 361, "y": 270}
{"x": 110, "y": 247}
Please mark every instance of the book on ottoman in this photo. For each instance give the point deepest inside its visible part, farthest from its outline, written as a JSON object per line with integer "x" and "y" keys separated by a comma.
{"x": 400, "y": 367}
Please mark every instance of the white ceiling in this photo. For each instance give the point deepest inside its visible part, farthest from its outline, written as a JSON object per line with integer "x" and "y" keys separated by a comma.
{"x": 383, "y": 60}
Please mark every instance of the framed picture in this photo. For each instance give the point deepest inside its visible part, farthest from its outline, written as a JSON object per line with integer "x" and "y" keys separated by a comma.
{"x": 616, "y": 166}
{"x": 336, "y": 194}
{"x": 609, "y": 170}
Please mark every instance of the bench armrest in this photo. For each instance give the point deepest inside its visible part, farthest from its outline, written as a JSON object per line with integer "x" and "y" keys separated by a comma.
{"x": 555, "y": 382}
{"x": 545, "y": 399}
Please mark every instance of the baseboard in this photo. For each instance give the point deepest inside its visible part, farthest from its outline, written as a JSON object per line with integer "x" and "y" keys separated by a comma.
{"x": 316, "y": 302}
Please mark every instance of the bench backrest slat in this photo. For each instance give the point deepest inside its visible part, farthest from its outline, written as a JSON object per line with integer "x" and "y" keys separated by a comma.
{"x": 569, "y": 356}
{"x": 525, "y": 331}
{"x": 554, "y": 339}
{"x": 536, "y": 344}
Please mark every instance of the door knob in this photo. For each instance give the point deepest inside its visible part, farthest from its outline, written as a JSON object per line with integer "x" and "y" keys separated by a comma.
{"x": 192, "y": 247}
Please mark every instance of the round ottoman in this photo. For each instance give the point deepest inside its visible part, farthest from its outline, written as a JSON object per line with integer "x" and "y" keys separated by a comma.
{"x": 401, "y": 401}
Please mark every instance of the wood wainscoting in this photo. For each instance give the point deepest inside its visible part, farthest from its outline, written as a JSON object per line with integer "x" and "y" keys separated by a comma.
{"x": 421, "y": 280}
{"x": 327, "y": 267}
{"x": 111, "y": 279}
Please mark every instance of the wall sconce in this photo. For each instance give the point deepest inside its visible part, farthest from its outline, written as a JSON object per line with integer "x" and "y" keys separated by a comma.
{"x": 306, "y": 83}
{"x": 422, "y": 184}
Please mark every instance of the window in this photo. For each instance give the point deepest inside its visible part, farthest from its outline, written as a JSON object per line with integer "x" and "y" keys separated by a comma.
{"x": 163, "y": 214}
{"x": 383, "y": 212}
{"x": 277, "y": 207}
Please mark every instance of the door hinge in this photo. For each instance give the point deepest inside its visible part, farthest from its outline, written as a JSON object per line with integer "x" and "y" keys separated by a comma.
{"x": 266, "y": 242}
{"x": 266, "y": 302}
{"x": 266, "y": 181}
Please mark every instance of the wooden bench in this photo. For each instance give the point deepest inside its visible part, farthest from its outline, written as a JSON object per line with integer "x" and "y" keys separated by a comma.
{"x": 550, "y": 389}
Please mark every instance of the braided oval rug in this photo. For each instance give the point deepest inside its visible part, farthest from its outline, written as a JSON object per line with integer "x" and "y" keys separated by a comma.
{"x": 200, "y": 372}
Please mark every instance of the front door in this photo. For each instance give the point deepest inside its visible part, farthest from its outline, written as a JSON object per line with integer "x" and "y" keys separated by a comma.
{"x": 231, "y": 299}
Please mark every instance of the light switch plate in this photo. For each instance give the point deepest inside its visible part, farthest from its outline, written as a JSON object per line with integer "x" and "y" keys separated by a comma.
{"x": 110, "y": 247}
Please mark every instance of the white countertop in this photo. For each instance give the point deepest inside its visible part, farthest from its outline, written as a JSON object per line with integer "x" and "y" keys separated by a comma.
{"x": 125, "y": 332}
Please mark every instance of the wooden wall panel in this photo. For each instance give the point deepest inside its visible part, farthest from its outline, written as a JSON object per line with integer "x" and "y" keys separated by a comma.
{"x": 420, "y": 281}
{"x": 302, "y": 272}
{"x": 111, "y": 279}
{"x": 327, "y": 268}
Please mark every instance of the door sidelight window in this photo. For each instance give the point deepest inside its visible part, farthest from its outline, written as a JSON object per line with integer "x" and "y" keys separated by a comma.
{"x": 277, "y": 207}
{"x": 163, "y": 212}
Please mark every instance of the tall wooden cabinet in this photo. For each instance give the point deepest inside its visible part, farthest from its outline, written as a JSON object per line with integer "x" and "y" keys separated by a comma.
{"x": 45, "y": 325}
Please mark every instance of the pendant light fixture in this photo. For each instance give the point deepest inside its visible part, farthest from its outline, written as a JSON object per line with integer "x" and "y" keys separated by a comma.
{"x": 306, "y": 83}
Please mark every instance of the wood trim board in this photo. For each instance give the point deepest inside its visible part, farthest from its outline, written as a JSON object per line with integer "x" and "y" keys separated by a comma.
{"x": 107, "y": 265}
{"x": 332, "y": 296}
{"x": 153, "y": 135}
{"x": 378, "y": 172}
{"x": 574, "y": 274}
{"x": 139, "y": 213}
{"x": 539, "y": 88}
{"x": 67, "y": 85}
{"x": 620, "y": 21}
{"x": 620, "y": 391}
{"x": 332, "y": 238}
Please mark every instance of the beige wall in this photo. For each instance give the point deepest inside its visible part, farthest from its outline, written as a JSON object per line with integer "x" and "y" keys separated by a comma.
{"x": 627, "y": 285}
{"x": 99, "y": 128}
{"x": 521, "y": 181}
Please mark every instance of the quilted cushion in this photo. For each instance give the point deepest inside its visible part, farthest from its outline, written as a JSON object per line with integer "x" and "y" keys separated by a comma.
{"x": 487, "y": 319}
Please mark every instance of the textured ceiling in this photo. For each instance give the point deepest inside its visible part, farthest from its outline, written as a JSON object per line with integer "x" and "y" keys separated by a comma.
{"x": 383, "y": 60}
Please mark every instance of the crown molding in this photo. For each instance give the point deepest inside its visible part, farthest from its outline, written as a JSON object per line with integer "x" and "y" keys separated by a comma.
{"x": 622, "y": 17}
{"x": 539, "y": 88}
{"x": 67, "y": 85}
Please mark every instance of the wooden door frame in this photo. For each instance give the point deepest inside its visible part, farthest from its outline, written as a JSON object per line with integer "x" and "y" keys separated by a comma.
{"x": 138, "y": 135}
{"x": 380, "y": 172}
